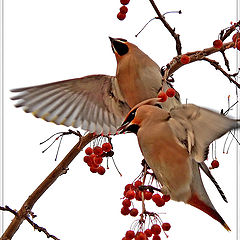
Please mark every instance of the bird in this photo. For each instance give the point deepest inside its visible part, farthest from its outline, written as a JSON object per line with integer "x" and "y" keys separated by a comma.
{"x": 175, "y": 145}
{"x": 97, "y": 103}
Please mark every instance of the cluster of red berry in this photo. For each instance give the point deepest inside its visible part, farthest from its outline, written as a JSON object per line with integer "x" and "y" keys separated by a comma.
{"x": 136, "y": 191}
{"x": 94, "y": 157}
{"x": 153, "y": 232}
{"x": 236, "y": 40}
{"x": 164, "y": 95}
{"x": 123, "y": 10}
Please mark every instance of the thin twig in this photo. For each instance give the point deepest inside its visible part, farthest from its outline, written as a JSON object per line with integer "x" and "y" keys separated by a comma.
{"x": 169, "y": 28}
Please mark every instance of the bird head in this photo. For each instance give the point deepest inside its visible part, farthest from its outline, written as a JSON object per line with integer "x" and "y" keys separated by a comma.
{"x": 141, "y": 113}
{"x": 121, "y": 47}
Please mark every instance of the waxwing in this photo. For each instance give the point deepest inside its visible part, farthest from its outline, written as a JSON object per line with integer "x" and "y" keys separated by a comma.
{"x": 175, "y": 144}
{"x": 97, "y": 103}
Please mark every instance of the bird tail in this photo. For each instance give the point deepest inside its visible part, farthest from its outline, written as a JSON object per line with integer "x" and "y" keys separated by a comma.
{"x": 200, "y": 198}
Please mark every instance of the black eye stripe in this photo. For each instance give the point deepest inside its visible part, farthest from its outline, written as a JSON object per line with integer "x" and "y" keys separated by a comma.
{"x": 130, "y": 117}
{"x": 120, "y": 47}
{"x": 158, "y": 105}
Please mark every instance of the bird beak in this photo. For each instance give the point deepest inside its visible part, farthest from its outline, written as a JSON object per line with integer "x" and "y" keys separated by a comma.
{"x": 112, "y": 44}
{"x": 111, "y": 39}
{"x": 128, "y": 127}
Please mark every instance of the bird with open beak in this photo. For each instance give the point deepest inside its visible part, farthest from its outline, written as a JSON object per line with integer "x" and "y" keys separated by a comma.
{"x": 175, "y": 144}
{"x": 97, "y": 103}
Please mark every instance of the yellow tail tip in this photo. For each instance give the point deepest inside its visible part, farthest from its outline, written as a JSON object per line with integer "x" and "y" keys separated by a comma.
{"x": 226, "y": 227}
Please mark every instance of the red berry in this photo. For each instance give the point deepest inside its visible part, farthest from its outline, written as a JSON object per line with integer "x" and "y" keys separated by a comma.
{"x": 137, "y": 183}
{"x": 217, "y": 43}
{"x": 124, "y": 2}
{"x": 147, "y": 195}
{"x": 215, "y": 164}
{"x": 166, "y": 198}
{"x": 156, "y": 237}
{"x": 170, "y": 92}
{"x": 134, "y": 212}
{"x": 98, "y": 160}
{"x": 101, "y": 170}
{"x": 126, "y": 203}
{"x": 166, "y": 226}
{"x": 160, "y": 202}
{"x": 130, "y": 194}
{"x": 236, "y": 37}
{"x": 156, "y": 197}
{"x": 238, "y": 45}
{"x": 185, "y": 59}
{"x": 123, "y": 9}
{"x": 121, "y": 16}
{"x": 130, "y": 234}
{"x": 97, "y": 150}
{"x": 93, "y": 169}
{"x": 125, "y": 211}
{"x": 128, "y": 187}
{"x": 148, "y": 232}
{"x": 89, "y": 151}
{"x": 163, "y": 96}
{"x": 86, "y": 159}
{"x": 141, "y": 236}
{"x": 138, "y": 196}
{"x": 107, "y": 147}
{"x": 155, "y": 229}
{"x": 92, "y": 156}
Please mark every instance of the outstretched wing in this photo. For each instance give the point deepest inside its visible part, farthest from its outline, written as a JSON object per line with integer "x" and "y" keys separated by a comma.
{"x": 93, "y": 103}
{"x": 206, "y": 126}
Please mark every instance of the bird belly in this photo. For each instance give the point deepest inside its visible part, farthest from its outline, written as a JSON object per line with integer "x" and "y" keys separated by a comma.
{"x": 172, "y": 169}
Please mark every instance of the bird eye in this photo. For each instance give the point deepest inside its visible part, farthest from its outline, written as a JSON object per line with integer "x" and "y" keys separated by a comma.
{"x": 130, "y": 117}
{"x": 158, "y": 105}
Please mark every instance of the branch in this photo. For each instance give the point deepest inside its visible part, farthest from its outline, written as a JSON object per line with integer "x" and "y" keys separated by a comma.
{"x": 218, "y": 67}
{"x": 169, "y": 28}
{"x": 23, "y": 213}
{"x": 175, "y": 64}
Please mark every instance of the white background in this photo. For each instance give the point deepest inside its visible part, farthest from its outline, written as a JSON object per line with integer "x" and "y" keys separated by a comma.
{"x": 51, "y": 40}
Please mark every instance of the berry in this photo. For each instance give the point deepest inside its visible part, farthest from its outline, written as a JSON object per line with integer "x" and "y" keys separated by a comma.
{"x": 155, "y": 229}
{"x": 125, "y": 211}
{"x": 170, "y": 92}
{"x": 138, "y": 196}
{"x": 141, "y": 236}
{"x": 215, "y": 164}
{"x": 130, "y": 194}
{"x": 121, "y": 16}
{"x": 124, "y": 2}
{"x": 98, "y": 160}
{"x": 156, "y": 237}
{"x": 92, "y": 156}
{"x": 163, "y": 96}
{"x": 97, "y": 150}
{"x": 86, "y": 159}
{"x": 147, "y": 195}
{"x": 126, "y": 203}
{"x": 137, "y": 183}
{"x": 89, "y": 151}
{"x": 107, "y": 147}
{"x": 166, "y": 226}
{"x": 128, "y": 187}
{"x": 110, "y": 154}
{"x": 93, "y": 169}
{"x": 166, "y": 198}
{"x": 160, "y": 202}
{"x": 217, "y": 43}
{"x": 101, "y": 170}
{"x": 148, "y": 232}
{"x": 123, "y": 9}
{"x": 134, "y": 212}
{"x": 130, "y": 234}
{"x": 156, "y": 197}
{"x": 236, "y": 37}
{"x": 185, "y": 59}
